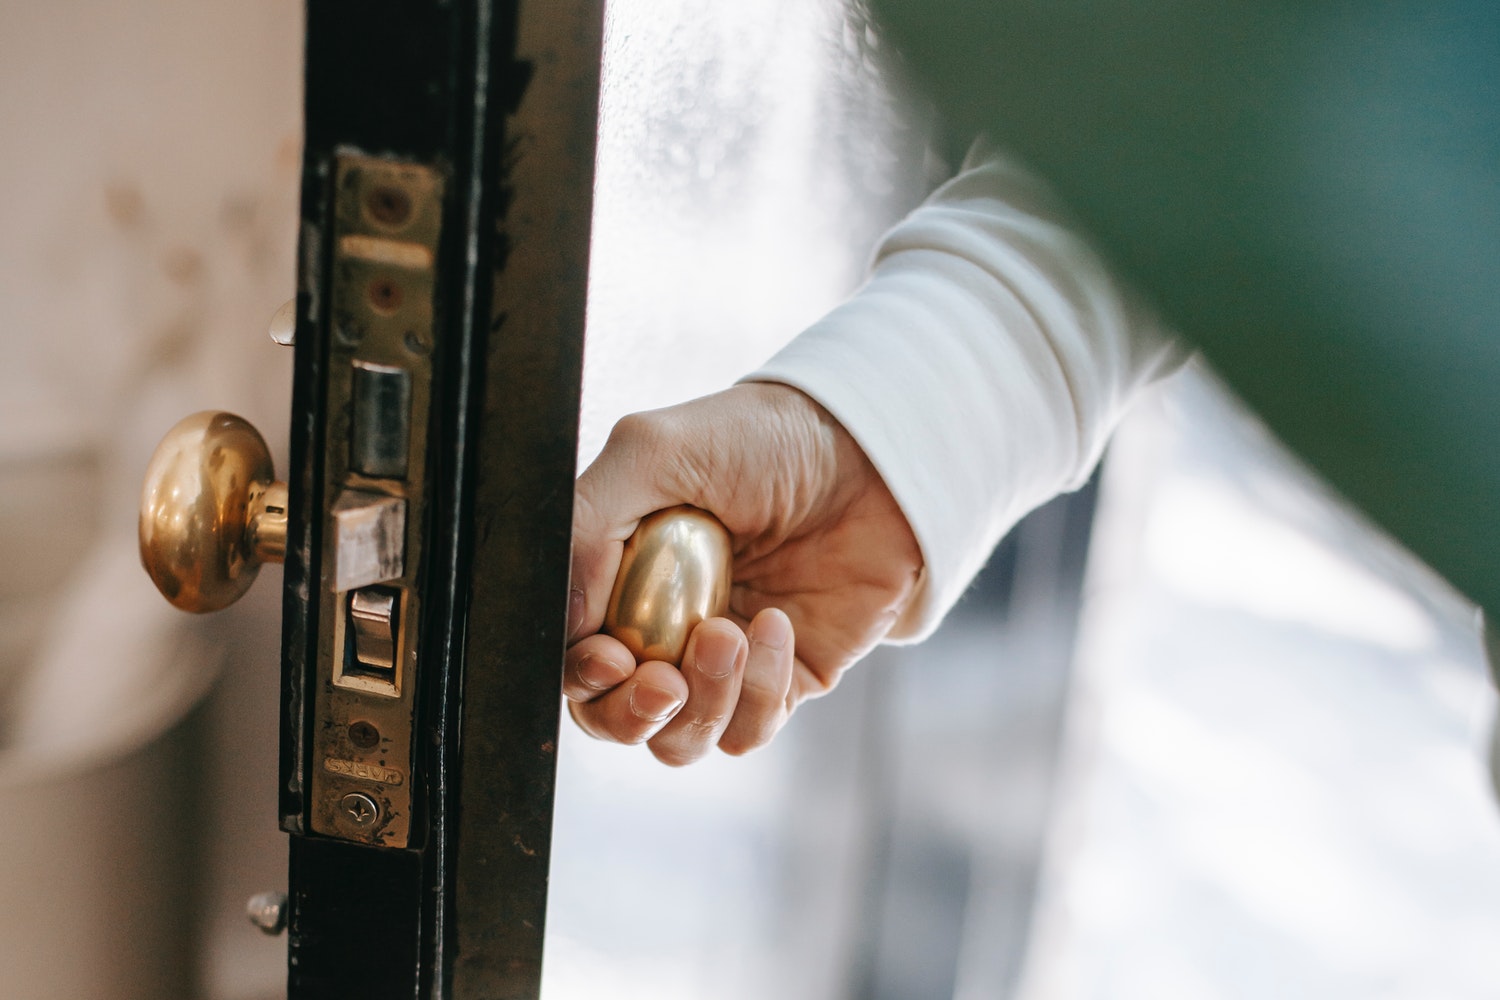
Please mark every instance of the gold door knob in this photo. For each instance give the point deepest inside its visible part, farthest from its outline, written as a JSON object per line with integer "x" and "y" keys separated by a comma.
{"x": 211, "y": 511}
{"x": 674, "y": 573}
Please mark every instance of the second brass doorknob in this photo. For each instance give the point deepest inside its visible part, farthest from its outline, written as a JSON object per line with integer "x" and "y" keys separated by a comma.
{"x": 211, "y": 511}
{"x": 674, "y": 573}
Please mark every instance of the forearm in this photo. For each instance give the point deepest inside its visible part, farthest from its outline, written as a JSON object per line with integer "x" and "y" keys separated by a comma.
{"x": 981, "y": 367}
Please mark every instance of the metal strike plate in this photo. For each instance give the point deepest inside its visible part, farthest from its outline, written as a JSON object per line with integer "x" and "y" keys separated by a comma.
{"x": 387, "y": 221}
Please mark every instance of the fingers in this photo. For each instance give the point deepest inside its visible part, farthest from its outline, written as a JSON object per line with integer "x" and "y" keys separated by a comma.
{"x": 639, "y": 703}
{"x": 763, "y": 705}
{"x": 732, "y": 690}
{"x": 594, "y": 666}
{"x": 713, "y": 667}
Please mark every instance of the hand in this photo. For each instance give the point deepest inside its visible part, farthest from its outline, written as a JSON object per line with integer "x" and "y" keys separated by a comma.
{"x": 824, "y": 564}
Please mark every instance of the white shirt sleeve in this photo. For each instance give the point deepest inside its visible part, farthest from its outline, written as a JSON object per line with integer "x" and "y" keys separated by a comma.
{"x": 981, "y": 367}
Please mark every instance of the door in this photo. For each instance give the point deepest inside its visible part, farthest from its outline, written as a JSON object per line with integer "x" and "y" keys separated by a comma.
{"x": 425, "y": 520}
{"x": 465, "y": 130}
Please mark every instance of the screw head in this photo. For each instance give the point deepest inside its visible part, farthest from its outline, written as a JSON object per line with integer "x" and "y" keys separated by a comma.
{"x": 360, "y": 809}
{"x": 384, "y": 295}
{"x": 389, "y": 205}
{"x": 363, "y": 735}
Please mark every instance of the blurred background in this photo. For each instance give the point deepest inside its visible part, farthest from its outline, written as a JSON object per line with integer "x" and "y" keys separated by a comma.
{"x": 1197, "y": 732}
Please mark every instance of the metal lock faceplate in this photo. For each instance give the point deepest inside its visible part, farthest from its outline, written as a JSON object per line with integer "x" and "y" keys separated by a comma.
{"x": 387, "y": 222}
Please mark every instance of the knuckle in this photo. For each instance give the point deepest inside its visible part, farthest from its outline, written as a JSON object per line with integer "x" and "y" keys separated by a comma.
{"x": 597, "y": 725}
{"x": 673, "y": 755}
{"x": 665, "y": 442}
{"x": 743, "y": 737}
{"x": 689, "y": 739}
{"x": 760, "y": 691}
{"x": 739, "y": 744}
{"x": 582, "y": 718}
{"x": 703, "y": 727}
{"x": 646, "y": 431}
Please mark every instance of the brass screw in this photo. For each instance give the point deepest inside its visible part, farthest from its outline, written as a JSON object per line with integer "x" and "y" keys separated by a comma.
{"x": 388, "y": 205}
{"x": 363, "y": 735}
{"x": 384, "y": 295}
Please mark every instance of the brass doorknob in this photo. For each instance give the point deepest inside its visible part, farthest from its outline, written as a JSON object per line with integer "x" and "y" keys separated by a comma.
{"x": 211, "y": 511}
{"x": 674, "y": 573}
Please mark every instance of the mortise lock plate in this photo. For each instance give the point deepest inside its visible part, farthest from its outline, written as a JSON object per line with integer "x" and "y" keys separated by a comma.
{"x": 212, "y": 512}
{"x": 386, "y": 227}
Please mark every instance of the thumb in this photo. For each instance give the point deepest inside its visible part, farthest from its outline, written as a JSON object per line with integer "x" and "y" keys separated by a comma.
{"x": 636, "y": 473}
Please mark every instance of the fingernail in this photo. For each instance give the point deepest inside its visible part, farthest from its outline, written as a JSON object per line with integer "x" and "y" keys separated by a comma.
{"x": 598, "y": 673}
{"x": 652, "y": 703}
{"x": 714, "y": 654}
{"x": 575, "y": 613}
{"x": 773, "y": 631}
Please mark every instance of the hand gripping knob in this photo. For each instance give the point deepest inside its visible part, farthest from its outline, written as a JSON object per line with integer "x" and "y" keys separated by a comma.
{"x": 211, "y": 511}
{"x": 674, "y": 573}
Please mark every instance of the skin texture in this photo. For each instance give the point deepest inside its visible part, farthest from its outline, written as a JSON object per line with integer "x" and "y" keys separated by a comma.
{"x": 824, "y": 564}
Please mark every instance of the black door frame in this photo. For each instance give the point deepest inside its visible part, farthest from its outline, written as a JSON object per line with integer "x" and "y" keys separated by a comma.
{"x": 500, "y": 99}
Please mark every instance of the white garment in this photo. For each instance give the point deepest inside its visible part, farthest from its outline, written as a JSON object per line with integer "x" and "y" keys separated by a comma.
{"x": 981, "y": 367}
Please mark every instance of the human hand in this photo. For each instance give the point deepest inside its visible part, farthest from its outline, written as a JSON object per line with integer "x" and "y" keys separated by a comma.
{"x": 824, "y": 564}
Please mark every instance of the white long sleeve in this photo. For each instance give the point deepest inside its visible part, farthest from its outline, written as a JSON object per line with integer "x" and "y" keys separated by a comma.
{"x": 981, "y": 367}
